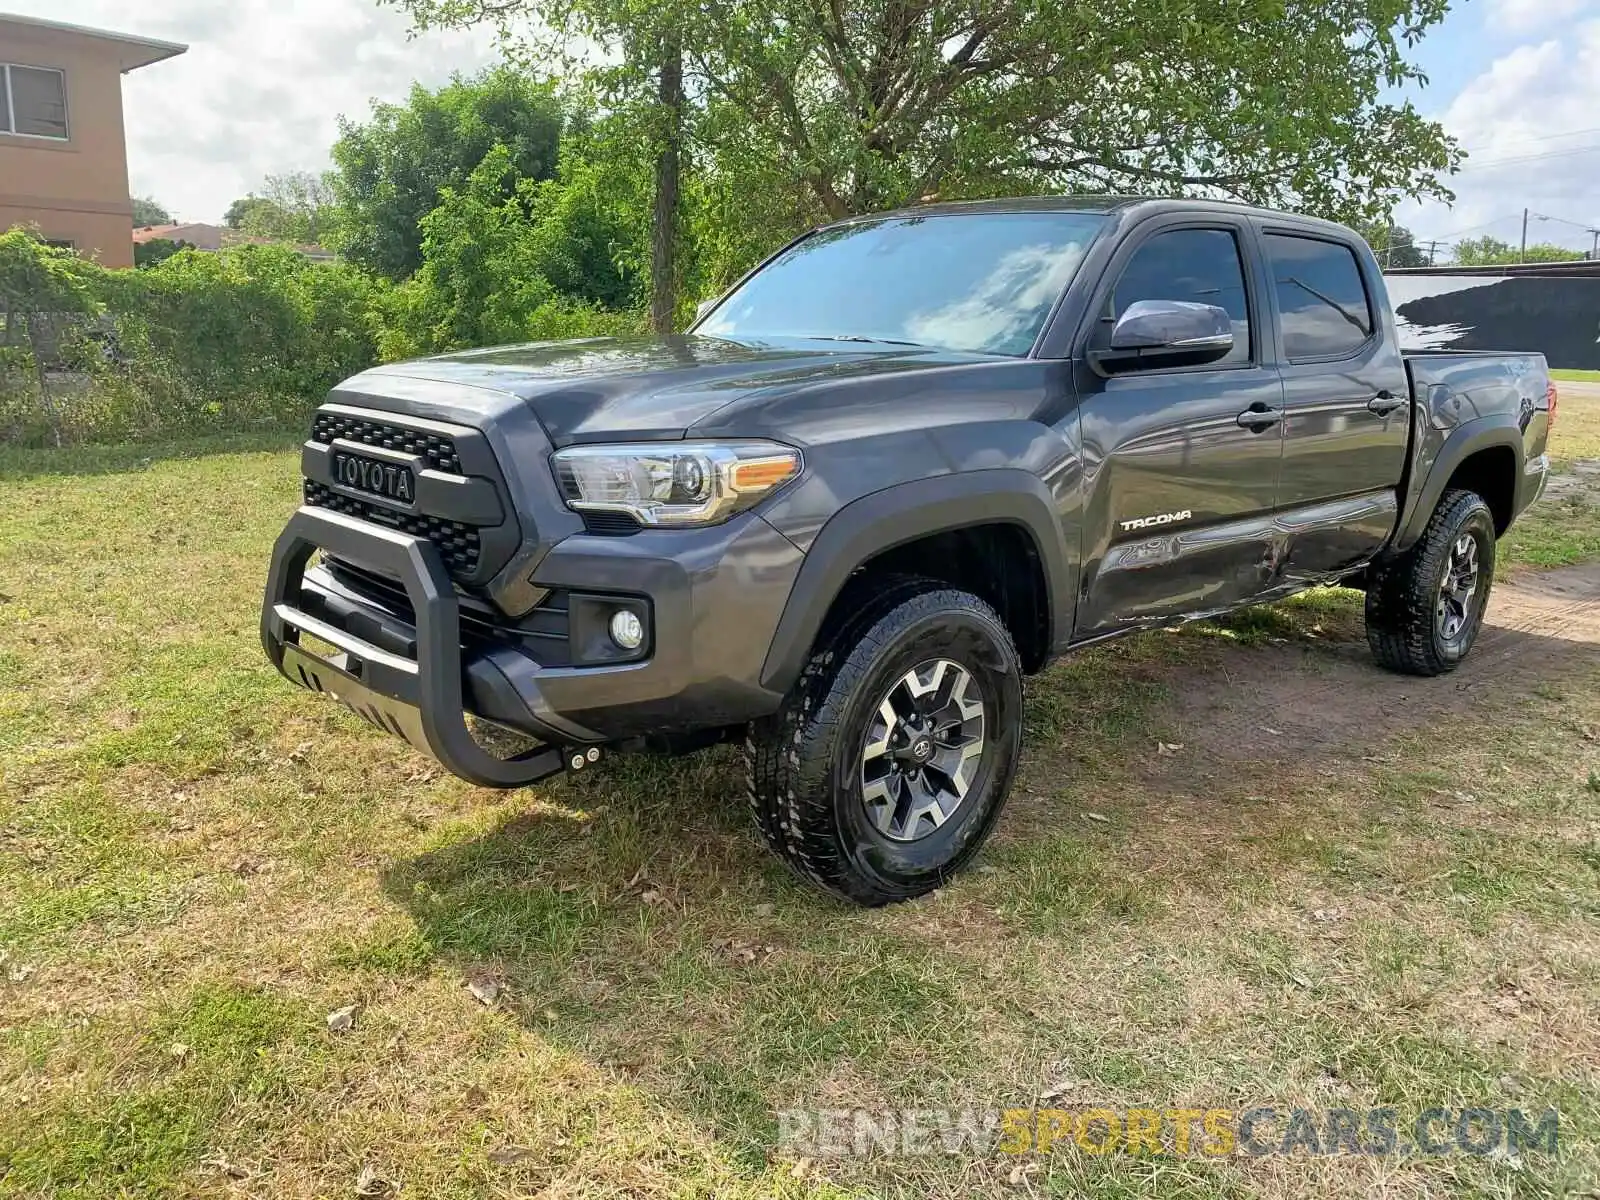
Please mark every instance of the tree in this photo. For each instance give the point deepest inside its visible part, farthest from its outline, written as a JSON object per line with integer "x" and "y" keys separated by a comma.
{"x": 496, "y": 267}
{"x": 306, "y": 202}
{"x": 1491, "y": 251}
{"x": 241, "y": 210}
{"x": 147, "y": 211}
{"x": 393, "y": 168}
{"x": 294, "y": 207}
{"x": 1395, "y": 247}
{"x": 852, "y": 106}
{"x": 671, "y": 103}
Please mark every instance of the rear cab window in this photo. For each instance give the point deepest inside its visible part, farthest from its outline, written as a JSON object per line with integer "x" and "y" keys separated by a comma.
{"x": 1322, "y": 299}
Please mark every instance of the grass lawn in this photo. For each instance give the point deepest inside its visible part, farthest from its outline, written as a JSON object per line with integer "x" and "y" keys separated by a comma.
{"x": 1576, "y": 376}
{"x": 1565, "y": 527}
{"x": 1240, "y": 868}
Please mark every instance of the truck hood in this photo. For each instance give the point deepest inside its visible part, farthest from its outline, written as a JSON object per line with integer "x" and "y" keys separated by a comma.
{"x": 649, "y": 388}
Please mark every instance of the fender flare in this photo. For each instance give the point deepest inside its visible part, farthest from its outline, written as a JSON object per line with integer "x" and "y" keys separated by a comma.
{"x": 1460, "y": 444}
{"x": 896, "y": 515}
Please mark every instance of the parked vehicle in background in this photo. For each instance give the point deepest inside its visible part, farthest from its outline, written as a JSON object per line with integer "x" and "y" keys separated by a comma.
{"x": 907, "y": 461}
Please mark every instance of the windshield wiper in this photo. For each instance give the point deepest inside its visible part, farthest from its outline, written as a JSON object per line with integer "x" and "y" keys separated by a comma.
{"x": 855, "y": 337}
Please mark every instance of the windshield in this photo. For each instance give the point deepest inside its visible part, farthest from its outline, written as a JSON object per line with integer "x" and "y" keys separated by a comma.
{"x": 973, "y": 281}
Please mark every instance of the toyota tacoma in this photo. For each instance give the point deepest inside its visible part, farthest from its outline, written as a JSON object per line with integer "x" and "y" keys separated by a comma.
{"x": 906, "y": 462}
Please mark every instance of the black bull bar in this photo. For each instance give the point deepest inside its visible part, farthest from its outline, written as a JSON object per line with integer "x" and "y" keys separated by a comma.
{"x": 419, "y": 699}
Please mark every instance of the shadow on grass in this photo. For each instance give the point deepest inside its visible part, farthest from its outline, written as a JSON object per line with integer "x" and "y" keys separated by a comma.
{"x": 19, "y": 463}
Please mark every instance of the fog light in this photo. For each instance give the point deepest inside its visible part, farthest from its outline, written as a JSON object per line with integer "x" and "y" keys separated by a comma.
{"x": 627, "y": 631}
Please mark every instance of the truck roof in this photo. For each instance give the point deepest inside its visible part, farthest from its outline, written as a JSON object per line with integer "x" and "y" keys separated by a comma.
{"x": 1136, "y": 207}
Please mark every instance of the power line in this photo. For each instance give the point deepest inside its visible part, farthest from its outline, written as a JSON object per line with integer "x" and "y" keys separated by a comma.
{"x": 1575, "y": 224}
{"x": 1445, "y": 237}
{"x": 1547, "y": 137}
{"x": 1525, "y": 158}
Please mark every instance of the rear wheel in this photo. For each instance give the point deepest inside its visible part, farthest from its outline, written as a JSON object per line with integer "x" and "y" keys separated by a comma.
{"x": 890, "y": 760}
{"x": 1425, "y": 608}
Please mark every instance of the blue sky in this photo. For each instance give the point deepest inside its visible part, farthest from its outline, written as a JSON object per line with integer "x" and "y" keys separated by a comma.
{"x": 1518, "y": 81}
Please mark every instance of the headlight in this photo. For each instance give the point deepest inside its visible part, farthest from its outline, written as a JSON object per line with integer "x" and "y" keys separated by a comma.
{"x": 674, "y": 483}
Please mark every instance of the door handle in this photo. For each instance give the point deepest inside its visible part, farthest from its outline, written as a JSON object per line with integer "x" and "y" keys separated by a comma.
{"x": 1257, "y": 419}
{"x": 1384, "y": 403}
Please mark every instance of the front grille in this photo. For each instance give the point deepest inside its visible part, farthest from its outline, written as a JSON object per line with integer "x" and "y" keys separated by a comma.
{"x": 438, "y": 450}
{"x": 542, "y": 633}
{"x": 458, "y": 544}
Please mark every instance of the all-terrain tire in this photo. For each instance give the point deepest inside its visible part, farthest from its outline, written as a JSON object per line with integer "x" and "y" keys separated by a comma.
{"x": 804, "y": 763}
{"x": 1404, "y": 626}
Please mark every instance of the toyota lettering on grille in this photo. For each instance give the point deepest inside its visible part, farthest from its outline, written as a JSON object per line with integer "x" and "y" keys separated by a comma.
{"x": 378, "y": 478}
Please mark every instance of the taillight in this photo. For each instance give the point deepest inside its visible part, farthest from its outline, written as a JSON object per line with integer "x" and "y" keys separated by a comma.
{"x": 1550, "y": 399}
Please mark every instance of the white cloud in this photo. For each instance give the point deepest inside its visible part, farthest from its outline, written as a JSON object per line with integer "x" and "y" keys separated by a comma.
{"x": 1531, "y": 125}
{"x": 261, "y": 87}
{"x": 1524, "y": 16}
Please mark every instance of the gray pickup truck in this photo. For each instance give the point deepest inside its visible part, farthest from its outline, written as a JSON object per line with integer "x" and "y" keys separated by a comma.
{"x": 907, "y": 461}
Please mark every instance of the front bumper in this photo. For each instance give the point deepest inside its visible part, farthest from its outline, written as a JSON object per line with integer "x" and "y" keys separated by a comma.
{"x": 417, "y": 698}
{"x": 714, "y": 598}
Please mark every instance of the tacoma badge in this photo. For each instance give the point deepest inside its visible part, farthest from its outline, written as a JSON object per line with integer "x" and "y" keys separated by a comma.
{"x": 1161, "y": 519}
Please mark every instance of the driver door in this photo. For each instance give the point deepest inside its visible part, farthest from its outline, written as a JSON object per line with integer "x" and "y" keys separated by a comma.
{"x": 1181, "y": 462}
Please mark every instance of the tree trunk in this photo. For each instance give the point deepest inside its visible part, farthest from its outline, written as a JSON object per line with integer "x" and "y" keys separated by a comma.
{"x": 669, "y": 170}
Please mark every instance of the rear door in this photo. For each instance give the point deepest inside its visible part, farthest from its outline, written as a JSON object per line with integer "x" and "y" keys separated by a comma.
{"x": 1181, "y": 463}
{"x": 1346, "y": 398}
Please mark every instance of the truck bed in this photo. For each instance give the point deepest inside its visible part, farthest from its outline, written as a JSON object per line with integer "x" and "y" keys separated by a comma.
{"x": 1453, "y": 390}
{"x": 1457, "y": 386}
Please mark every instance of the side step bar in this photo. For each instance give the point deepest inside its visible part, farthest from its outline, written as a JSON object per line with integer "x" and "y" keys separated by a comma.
{"x": 419, "y": 700}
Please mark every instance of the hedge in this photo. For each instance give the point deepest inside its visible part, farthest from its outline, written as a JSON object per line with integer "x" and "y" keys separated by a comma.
{"x": 251, "y": 337}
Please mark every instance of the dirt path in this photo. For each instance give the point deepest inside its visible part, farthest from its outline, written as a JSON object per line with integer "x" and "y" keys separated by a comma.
{"x": 1299, "y": 700}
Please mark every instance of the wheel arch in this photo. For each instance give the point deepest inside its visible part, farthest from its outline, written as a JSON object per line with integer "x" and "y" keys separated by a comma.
{"x": 875, "y": 526}
{"x": 1482, "y": 455}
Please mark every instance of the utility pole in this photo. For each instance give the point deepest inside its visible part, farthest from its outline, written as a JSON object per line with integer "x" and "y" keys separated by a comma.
{"x": 1433, "y": 246}
{"x": 1594, "y": 251}
{"x": 1522, "y": 254}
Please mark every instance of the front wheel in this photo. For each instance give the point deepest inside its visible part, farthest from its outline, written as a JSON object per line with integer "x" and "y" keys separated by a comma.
{"x": 1424, "y": 608}
{"x": 891, "y": 758}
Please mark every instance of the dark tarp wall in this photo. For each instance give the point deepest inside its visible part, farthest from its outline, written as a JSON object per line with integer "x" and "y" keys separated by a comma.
{"x": 1558, "y": 317}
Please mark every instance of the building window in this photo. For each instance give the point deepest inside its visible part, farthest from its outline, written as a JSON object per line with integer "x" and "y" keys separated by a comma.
{"x": 33, "y": 101}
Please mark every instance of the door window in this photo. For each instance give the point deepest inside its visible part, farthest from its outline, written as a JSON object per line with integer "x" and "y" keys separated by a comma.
{"x": 1198, "y": 265}
{"x": 1322, "y": 300}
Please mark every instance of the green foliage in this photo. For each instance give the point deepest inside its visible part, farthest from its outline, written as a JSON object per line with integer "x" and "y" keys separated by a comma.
{"x": 157, "y": 250}
{"x": 832, "y": 107}
{"x": 394, "y": 169}
{"x": 508, "y": 259}
{"x": 253, "y": 321}
{"x": 1491, "y": 251}
{"x": 147, "y": 211}
{"x": 243, "y": 210}
{"x": 251, "y": 336}
{"x": 38, "y": 279}
{"x": 47, "y": 300}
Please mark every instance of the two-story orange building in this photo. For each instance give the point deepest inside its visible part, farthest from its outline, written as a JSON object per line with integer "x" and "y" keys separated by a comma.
{"x": 63, "y": 155}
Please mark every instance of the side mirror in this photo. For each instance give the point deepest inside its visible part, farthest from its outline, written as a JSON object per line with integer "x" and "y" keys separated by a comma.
{"x": 1167, "y": 333}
